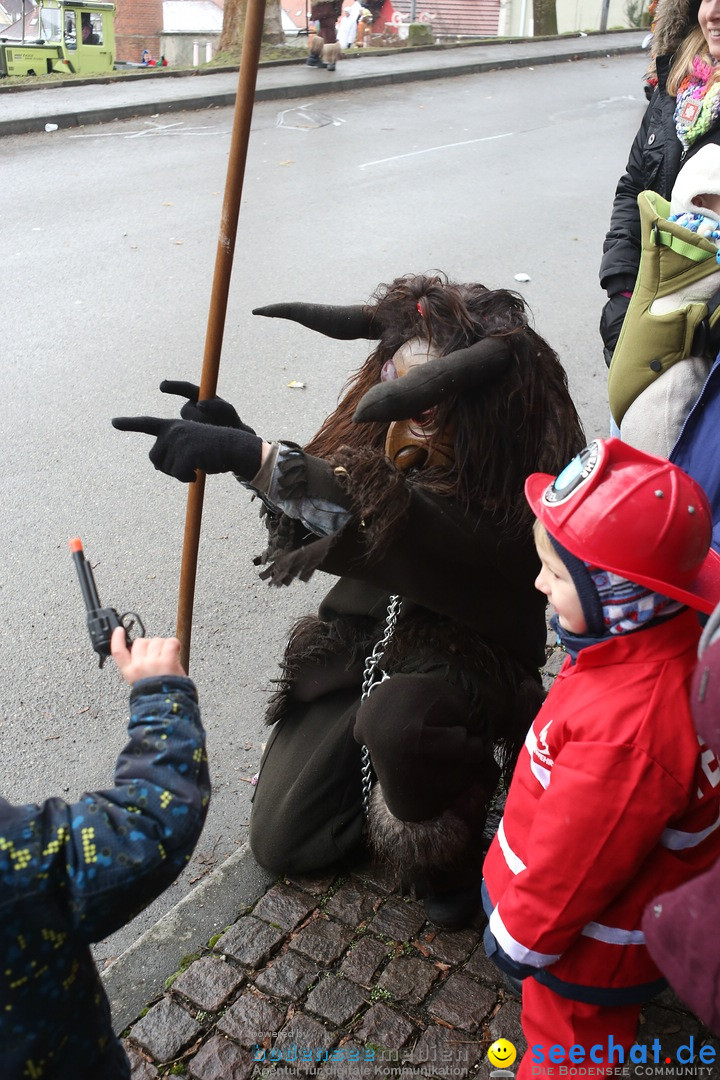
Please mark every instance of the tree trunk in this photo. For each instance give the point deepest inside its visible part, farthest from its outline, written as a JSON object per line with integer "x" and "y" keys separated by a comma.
{"x": 544, "y": 18}
{"x": 234, "y": 25}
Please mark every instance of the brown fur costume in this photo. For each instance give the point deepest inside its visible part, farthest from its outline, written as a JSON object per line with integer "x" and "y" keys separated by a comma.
{"x": 454, "y": 541}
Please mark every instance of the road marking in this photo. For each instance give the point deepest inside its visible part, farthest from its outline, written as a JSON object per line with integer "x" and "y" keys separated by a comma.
{"x": 177, "y": 128}
{"x": 432, "y": 149}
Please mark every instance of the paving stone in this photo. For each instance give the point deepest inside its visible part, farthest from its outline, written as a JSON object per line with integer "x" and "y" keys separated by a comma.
{"x": 252, "y": 1020}
{"x": 362, "y": 960}
{"x": 352, "y": 904}
{"x": 284, "y": 906}
{"x": 383, "y": 1026}
{"x": 398, "y": 919}
{"x": 288, "y": 976}
{"x": 220, "y": 1059}
{"x": 140, "y": 1068}
{"x": 483, "y": 969}
{"x": 250, "y": 941}
{"x": 505, "y": 1024}
{"x": 301, "y": 1043}
{"x": 408, "y": 979}
{"x": 209, "y": 982}
{"x": 322, "y": 940}
{"x": 666, "y": 1021}
{"x": 451, "y": 947}
{"x": 451, "y": 1051}
{"x": 165, "y": 1030}
{"x": 336, "y": 999}
{"x": 462, "y": 1003}
{"x": 381, "y": 877}
{"x": 317, "y": 886}
{"x": 355, "y": 1062}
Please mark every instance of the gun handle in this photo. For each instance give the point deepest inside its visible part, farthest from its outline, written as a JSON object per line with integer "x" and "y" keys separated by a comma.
{"x": 100, "y": 623}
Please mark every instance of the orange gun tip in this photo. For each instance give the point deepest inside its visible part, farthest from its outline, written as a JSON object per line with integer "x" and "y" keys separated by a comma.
{"x": 76, "y": 544}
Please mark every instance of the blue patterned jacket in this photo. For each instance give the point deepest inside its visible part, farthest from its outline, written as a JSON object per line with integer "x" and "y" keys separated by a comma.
{"x": 73, "y": 874}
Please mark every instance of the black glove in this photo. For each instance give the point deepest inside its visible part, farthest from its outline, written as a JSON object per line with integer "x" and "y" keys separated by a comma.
{"x": 214, "y": 410}
{"x": 182, "y": 446}
{"x": 611, "y": 321}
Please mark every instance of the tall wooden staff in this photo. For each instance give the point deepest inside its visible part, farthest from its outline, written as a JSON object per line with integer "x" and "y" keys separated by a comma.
{"x": 247, "y": 77}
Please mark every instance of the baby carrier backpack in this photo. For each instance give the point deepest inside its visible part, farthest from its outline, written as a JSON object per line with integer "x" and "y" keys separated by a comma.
{"x": 671, "y": 331}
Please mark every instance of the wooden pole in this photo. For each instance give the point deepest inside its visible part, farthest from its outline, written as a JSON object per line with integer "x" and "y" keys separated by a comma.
{"x": 247, "y": 78}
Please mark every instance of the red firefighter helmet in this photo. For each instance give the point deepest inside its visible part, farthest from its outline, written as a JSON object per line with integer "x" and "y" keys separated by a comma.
{"x": 636, "y": 515}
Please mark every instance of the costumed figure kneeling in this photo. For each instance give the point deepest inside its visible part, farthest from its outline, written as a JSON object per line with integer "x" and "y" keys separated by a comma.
{"x": 405, "y": 698}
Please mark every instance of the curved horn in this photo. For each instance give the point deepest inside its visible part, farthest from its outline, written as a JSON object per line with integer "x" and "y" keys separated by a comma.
{"x": 335, "y": 321}
{"x": 427, "y": 384}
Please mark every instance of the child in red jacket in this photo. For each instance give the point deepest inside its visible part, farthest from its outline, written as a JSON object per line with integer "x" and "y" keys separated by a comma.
{"x": 612, "y": 801}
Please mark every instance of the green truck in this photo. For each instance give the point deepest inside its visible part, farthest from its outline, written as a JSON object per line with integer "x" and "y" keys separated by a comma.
{"x": 63, "y": 36}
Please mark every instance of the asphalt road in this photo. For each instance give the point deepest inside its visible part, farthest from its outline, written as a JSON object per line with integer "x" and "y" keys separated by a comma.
{"x": 109, "y": 236}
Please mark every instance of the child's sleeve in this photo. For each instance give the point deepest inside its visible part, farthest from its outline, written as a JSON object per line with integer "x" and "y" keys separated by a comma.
{"x": 603, "y": 813}
{"x": 106, "y": 857}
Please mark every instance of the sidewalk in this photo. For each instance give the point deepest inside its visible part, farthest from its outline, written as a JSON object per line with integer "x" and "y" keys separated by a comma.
{"x": 101, "y": 101}
{"x": 335, "y": 975}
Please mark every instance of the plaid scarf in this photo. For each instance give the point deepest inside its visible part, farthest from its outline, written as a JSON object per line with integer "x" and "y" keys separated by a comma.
{"x": 698, "y": 103}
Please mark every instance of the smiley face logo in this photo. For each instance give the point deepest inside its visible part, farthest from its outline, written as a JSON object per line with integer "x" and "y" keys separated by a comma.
{"x": 502, "y": 1053}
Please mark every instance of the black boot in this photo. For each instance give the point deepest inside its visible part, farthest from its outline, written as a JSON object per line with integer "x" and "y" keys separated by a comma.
{"x": 314, "y": 61}
{"x": 455, "y": 909}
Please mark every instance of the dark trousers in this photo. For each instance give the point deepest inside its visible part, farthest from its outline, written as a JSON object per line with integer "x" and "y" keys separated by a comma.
{"x": 307, "y": 810}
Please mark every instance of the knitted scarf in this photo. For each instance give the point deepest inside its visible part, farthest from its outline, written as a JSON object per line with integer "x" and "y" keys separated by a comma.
{"x": 698, "y": 103}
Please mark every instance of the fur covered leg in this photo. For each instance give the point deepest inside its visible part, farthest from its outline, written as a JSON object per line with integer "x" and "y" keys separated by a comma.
{"x": 437, "y": 855}
{"x": 331, "y": 55}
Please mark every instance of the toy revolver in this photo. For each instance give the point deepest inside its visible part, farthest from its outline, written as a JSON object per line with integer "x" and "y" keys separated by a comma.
{"x": 101, "y": 621}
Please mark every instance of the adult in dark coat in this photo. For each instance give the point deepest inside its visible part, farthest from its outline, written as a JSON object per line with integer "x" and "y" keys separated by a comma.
{"x": 412, "y": 488}
{"x": 684, "y": 59}
{"x": 681, "y": 926}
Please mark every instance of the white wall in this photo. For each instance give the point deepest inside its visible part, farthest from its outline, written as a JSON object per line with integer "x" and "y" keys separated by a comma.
{"x": 572, "y": 15}
{"x": 178, "y": 48}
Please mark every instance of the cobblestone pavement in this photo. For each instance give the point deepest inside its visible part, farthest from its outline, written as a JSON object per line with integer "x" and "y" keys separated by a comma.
{"x": 343, "y": 976}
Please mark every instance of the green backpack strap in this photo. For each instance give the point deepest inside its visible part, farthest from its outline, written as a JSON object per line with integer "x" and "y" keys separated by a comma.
{"x": 671, "y": 240}
{"x": 672, "y": 260}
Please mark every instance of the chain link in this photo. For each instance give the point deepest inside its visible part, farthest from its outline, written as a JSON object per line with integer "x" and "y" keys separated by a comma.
{"x": 373, "y": 676}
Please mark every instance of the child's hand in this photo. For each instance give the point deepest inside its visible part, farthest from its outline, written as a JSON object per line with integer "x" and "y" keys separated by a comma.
{"x": 146, "y": 657}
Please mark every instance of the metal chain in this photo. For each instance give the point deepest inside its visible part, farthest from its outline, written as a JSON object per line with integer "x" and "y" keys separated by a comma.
{"x": 373, "y": 676}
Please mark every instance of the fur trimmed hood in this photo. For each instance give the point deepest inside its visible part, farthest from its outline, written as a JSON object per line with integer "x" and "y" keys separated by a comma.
{"x": 673, "y": 20}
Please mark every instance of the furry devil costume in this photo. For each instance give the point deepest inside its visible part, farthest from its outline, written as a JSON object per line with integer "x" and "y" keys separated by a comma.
{"x": 412, "y": 489}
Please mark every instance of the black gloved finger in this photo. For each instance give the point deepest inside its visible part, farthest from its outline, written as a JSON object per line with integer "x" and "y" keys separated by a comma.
{"x": 149, "y": 425}
{"x": 214, "y": 410}
{"x": 425, "y": 385}
{"x": 343, "y": 322}
{"x": 169, "y": 452}
{"x": 217, "y": 411}
{"x": 182, "y": 447}
{"x": 183, "y": 389}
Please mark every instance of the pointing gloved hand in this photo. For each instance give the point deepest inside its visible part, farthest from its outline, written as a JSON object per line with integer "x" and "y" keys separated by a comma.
{"x": 182, "y": 446}
{"x": 214, "y": 410}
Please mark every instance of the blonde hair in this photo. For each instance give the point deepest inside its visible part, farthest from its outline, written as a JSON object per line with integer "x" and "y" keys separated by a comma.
{"x": 693, "y": 45}
{"x": 542, "y": 538}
